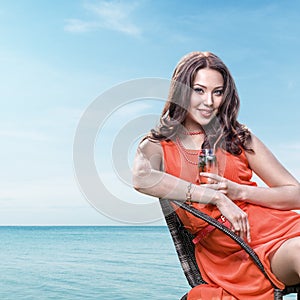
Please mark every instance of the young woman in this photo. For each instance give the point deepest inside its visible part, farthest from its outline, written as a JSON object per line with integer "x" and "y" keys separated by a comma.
{"x": 200, "y": 113}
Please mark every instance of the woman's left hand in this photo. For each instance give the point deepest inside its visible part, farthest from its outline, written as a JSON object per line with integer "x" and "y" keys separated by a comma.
{"x": 231, "y": 189}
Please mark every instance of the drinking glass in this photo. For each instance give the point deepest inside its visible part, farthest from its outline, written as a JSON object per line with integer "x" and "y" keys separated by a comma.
{"x": 207, "y": 163}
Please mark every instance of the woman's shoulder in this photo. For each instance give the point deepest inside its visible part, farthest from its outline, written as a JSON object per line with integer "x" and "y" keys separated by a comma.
{"x": 149, "y": 146}
{"x": 257, "y": 146}
{"x": 148, "y": 156}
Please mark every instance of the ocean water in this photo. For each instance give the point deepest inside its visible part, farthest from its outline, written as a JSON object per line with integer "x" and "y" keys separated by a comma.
{"x": 116, "y": 263}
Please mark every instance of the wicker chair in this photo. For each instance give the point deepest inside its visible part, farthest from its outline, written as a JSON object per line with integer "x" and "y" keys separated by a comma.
{"x": 185, "y": 248}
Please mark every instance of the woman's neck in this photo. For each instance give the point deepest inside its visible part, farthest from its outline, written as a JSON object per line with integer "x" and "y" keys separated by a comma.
{"x": 191, "y": 141}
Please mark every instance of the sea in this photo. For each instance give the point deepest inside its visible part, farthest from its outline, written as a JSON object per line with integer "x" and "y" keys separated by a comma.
{"x": 89, "y": 263}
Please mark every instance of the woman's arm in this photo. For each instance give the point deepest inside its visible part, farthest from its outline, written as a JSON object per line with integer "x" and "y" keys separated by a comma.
{"x": 149, "y": 179}
{"x": 283, "y": 191}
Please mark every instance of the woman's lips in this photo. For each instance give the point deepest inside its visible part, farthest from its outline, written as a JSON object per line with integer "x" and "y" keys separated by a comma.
{"x": 206, "y": 113}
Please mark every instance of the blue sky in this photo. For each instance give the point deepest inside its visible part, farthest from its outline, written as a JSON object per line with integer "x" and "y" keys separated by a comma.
{"x": 57, "y": 57}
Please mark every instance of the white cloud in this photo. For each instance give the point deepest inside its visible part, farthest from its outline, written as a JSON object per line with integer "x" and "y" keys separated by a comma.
{"x": 109, "y": 15}
{"x": 75, "y": 25}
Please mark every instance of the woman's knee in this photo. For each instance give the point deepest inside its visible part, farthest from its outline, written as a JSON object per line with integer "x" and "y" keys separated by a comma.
{"x": 293, "y": 249}
{"x": 285, "y": 262}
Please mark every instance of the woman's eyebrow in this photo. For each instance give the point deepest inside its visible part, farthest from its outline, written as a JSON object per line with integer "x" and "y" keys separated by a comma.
{"x": 201, "y": 85}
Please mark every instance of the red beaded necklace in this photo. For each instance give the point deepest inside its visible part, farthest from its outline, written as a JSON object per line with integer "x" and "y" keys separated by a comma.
{"x": 193, "y": 132}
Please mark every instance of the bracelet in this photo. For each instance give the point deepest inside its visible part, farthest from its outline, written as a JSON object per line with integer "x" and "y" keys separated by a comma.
{"x": 189, "y": 194}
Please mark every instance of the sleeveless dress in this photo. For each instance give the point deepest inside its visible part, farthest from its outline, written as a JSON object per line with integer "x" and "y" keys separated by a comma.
{"x": 228, "y": 270}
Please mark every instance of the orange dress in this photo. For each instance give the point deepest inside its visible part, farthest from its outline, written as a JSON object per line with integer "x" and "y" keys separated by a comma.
{"x": 228, "y": 270}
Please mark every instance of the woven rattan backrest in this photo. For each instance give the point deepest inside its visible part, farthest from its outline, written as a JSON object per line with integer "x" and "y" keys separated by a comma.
{"x": 183, "y": 244}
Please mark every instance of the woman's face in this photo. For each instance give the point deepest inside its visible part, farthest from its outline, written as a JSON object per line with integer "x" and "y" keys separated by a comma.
{"x": 205, "y": 99}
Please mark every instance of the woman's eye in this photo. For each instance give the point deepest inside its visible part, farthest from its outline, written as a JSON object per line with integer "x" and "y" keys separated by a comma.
{"x": 198, "y": 90}
{"x": 218, "y": 92}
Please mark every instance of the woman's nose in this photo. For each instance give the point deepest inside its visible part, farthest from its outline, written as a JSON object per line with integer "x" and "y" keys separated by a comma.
{"x": 209, "y": 99}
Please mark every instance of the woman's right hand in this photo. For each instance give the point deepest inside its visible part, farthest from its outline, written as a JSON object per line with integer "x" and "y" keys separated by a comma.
{"x": 236, "y": 216}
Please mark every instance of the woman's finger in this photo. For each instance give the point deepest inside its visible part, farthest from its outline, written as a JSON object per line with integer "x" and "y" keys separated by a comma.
{"x": 248, "y": 235}
{"x": 212, "y": 186}
{"x": 220, "y": 186}
{"x": 212, "y": 176}
{"x": 238, "y": 227}
{"x": 242, "y": 229}
{"x": 246, "y": 227}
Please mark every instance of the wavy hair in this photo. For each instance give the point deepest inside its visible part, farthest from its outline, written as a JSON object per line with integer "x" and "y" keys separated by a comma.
{"x": 224, "y": 130}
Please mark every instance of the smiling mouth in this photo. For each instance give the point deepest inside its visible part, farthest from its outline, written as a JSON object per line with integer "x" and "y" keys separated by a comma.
{"x": 206, "y": 113}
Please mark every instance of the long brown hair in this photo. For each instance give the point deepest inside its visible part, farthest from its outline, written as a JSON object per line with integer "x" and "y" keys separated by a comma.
{"x": 224, "y": 130}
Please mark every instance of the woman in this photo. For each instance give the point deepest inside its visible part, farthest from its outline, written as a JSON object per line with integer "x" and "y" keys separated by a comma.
{"x": 201, "y": 112}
